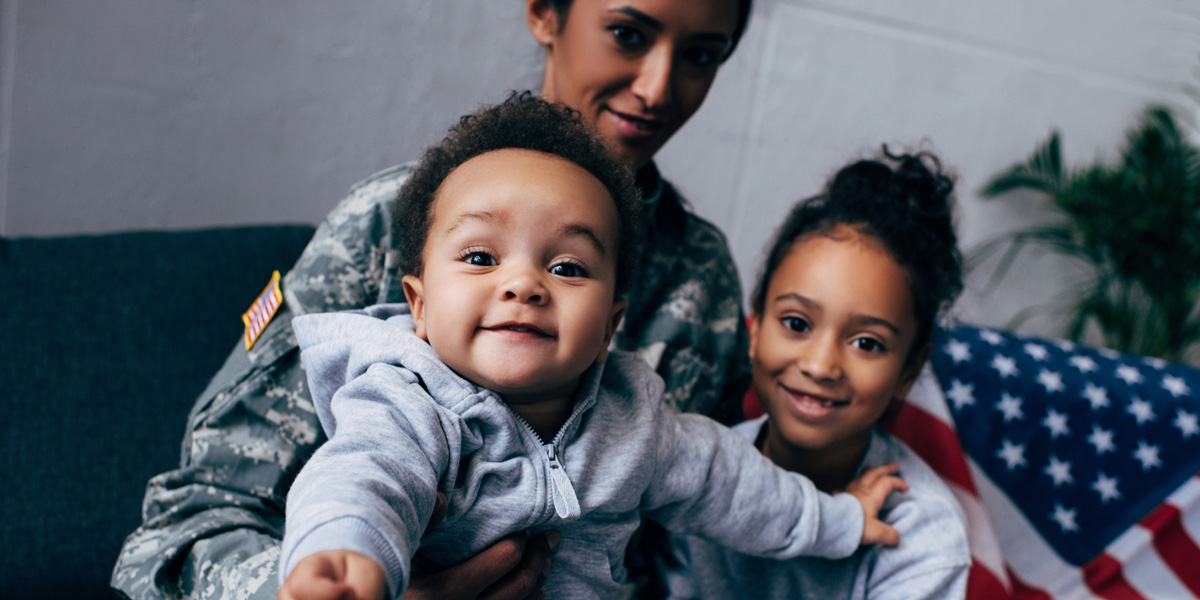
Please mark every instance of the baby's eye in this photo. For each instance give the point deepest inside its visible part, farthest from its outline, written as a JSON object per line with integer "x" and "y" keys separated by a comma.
{"x": 479, "y": 259}
{"x": 567, "y": 269}
{"x": 794, "y": 324}
{"x": 627, "y": 37}
{"x": 868, "y": 344}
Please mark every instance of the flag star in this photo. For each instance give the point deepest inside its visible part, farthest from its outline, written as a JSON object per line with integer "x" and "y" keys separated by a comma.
{"x": 1107, "y": 487}
{"x": 1187, "y": 423}
{"x": 1012, "y": 454}
{"x": 1155, "y": 362}
{"x": 1065, "y": 518}
{"x": 1129, "y": 373}
{"x": 1085, "y": 364}
{"x": 1056, "y": 422}
{"x": 1065, "y": 345}
{"x": 1051, "y": 381}
{"x": 959, "y": 351}
{"x": 961, "y": 394}
{"x": 1141, "y": 410}
{"x": 1036, "y": 351}
{"x": 1147, "y": 455}
{"x": 1109, "y": 353}
{"x": 1102, "y": 439}
{"x": 1176, "y": 385}
{"x": 1059, "y": 471}
{"x": 1011, "y": 407}
{"x": 1097, "y": 395}
{"x": 1006, "y": 366}
{"x": 991, "y": 337}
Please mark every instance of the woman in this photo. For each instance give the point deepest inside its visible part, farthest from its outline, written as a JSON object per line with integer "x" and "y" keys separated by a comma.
{"x": 637, "y": 70}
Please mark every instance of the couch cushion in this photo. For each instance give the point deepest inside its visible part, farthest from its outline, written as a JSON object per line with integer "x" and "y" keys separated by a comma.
{"x": 106, "y": 342}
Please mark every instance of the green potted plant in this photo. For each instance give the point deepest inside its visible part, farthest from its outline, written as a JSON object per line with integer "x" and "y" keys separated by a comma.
{"x": 1136, "y": 227}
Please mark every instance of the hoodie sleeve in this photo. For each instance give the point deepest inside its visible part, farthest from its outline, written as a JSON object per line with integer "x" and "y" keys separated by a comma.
{"x": 371, "y": 488}
{"x": 711, "y": 482}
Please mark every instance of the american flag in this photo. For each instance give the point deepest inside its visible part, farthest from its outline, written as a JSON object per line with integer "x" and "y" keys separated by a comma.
{"x": 1076, "y": 468}
{"x": 260, "y": 312}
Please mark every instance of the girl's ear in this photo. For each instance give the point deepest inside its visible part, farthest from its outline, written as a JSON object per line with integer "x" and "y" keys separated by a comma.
{"x": 753, "y": 326}
{"x": 912, "y": 370}
{"x": 414, "y": 293}
{"x": 610, "y": 329}
{"x": 543, "y": 20}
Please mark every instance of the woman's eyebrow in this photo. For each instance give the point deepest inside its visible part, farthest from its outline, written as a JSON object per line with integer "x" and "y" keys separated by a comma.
{"x": 656, "y": 25}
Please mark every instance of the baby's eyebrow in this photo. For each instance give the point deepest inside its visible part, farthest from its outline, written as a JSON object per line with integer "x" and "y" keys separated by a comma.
{"x": 575, "y": 229}
{"x": 486, "y": 217}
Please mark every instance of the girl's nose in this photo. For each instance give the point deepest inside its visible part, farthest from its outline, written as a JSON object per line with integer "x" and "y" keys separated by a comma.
{"x": 821, "y": 360}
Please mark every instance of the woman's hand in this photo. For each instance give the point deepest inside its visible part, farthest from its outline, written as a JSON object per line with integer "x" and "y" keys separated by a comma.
{"x": 511, "y": 569}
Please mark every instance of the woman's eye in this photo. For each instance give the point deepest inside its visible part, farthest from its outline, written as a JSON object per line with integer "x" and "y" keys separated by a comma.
{"x": 794, "y": 324}
{"x": 479, "y": 259}
{"x": 627, "y": 37}
{"x": 568, "y": 270}
{"x": 868, "y": 344}
{"x": 701, "y": 57}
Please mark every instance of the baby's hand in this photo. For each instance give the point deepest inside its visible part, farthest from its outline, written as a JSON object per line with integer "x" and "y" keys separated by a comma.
{"x": 335, "y": 575}
{"x": 872, "y": 489}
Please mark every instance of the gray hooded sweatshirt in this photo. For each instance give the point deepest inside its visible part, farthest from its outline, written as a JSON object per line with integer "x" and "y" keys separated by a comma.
{"x": 403, "y": 426}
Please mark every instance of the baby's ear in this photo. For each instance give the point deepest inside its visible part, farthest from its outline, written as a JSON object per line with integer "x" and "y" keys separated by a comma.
{"x": 414, "y": 293}
{"x": 618, "y": 311}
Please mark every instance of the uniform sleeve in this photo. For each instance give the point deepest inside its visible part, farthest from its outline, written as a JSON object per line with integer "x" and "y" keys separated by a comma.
{"x": 211, "y": 528}
{"x": 711, "y": 482}
{"x": 371, "y": 487}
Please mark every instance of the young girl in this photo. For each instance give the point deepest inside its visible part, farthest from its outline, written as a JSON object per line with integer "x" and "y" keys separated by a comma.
{"x": 842, "y": 316}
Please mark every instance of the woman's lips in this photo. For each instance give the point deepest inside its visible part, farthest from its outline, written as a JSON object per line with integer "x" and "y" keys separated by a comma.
{"x": 634, "y": 127}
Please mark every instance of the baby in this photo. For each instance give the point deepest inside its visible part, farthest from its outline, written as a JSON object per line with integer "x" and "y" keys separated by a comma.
{"x": 494, "y": 386}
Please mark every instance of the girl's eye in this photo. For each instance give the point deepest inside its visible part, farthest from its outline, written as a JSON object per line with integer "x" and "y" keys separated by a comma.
{"x": 567, "y": 269}
{"x": 794, "y": 324}
{"x": 868, "y": 344}
{"x": 627, "y": 37}
{"x": 479, "y": 259}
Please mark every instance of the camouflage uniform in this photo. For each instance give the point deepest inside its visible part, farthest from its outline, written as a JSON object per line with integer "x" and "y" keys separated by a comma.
{"x": 211, "y": 528}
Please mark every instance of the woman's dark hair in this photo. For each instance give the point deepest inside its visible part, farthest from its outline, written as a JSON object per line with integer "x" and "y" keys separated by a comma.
{"x": 563, "y": 7}
{"x": 905, "y": 202}
{"x": 523, "y": 121}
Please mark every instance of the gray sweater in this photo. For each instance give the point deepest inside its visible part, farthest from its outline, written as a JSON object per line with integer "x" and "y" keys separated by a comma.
{"x": 403, "y": 426}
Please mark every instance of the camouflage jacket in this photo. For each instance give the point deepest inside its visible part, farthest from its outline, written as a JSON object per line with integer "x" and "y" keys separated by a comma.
{"x": 211, "y": 529}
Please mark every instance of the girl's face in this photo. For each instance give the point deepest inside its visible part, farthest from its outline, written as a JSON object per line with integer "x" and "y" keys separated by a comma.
{"x": 831, "y": 349}
{"x": 636, "y": 69}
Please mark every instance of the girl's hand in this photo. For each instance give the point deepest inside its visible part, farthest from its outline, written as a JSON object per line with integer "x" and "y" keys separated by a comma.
{"x": 872, "y": 489}
{"x": 334, "y": 575}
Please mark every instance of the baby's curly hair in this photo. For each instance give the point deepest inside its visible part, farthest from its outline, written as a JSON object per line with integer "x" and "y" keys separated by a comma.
{"x": 905, "y": 202}
{"x": 522, "y": 121}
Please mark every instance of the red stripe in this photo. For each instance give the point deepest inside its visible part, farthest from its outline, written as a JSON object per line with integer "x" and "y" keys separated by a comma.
{"x": 1024, "y": 591}
{"x": 982, "y": 584}
{"x": 1176, "y": 548}
{"x": 1103, "y": 575}
{"x": 935, "y": 442}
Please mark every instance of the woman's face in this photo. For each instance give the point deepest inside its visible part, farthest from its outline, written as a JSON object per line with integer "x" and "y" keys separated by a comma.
{"x": 635, "y": 69}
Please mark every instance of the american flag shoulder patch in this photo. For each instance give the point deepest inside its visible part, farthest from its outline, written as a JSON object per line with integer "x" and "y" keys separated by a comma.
{"x": 260, "y": 313}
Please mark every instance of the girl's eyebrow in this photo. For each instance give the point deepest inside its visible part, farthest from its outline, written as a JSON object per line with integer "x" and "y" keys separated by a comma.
{"x": 816, "y": 308}
{"x": 656, "y": 25}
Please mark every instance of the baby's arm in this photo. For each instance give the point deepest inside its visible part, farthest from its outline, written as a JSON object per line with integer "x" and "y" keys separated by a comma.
{"x": 334, "y": 575}
{"x": 711, "y": 482}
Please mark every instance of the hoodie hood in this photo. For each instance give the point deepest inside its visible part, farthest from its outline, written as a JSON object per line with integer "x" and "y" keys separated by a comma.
{"x": 338, "y": 347}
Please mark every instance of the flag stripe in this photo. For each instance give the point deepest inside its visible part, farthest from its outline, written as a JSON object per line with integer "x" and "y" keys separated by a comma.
{"x": 983, "y": 583}
{"x": 928, "y": 436}
{"x": 1177, "y": 550}
{"x": 1022, "y": 590}
{"x": 1105, "y": 577}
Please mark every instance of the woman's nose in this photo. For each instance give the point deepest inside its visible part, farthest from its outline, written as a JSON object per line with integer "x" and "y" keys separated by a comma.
{"x": 653, "y": 83}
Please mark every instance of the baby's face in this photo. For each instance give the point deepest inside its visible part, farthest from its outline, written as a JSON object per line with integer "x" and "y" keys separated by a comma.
{"x": 516, "y": 292}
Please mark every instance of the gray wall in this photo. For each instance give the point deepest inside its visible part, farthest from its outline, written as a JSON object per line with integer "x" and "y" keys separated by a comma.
{"x": 134, "y": 114}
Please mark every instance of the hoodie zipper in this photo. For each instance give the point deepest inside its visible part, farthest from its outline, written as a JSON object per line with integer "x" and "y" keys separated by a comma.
{"x": 562, "y": 493}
